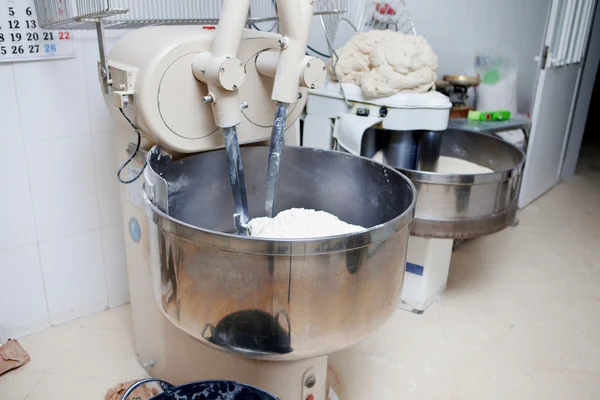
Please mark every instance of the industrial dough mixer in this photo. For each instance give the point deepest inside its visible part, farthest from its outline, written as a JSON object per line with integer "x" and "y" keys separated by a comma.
{"x": 408, "y": 131}
{"x": 207, "y": 301}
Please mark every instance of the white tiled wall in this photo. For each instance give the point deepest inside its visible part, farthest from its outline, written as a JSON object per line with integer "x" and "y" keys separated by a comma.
{"x": 61, "y": 241}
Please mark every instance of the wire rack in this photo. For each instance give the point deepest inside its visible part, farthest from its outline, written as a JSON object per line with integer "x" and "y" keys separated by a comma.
{"x": 366, "y": 15}
{"x": 392, "y": 15}
{"x": 83, "y": 14}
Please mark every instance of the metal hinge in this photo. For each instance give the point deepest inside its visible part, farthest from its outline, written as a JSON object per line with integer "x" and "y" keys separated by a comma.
{"x": 544, "y": 58}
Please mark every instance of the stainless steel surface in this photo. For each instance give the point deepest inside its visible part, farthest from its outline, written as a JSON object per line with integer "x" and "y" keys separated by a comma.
{"x": 412, "y": 149}
{"x": 401, "y": 149}
{"x": 235, "y": 169}
{"x": 279, "y": 299}
{"x": 156, "y": 187}
{"x": 462, "y": 80}
{"x": 463, "y": 206}
{"x": 275, "y": 156}
{"x": 428, "y": 150}
{"x": 82, "y": 14}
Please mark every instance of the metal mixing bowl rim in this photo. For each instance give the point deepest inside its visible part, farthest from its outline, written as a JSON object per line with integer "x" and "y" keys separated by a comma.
{"x": 291, "y": 247}
{"x": 469, "y": 179}
{"x": 465, "y": 228}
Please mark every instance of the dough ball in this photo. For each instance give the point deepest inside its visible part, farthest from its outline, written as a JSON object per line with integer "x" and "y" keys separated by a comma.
{"x": 384, "y": 63}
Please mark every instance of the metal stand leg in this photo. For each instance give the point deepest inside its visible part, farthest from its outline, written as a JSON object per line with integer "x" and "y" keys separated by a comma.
{"x": 428, "y": 152}
{"x": 401, "y": 150}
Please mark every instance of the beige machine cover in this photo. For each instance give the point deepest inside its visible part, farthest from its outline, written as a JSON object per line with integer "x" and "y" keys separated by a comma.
{"x": 155, "y": 65}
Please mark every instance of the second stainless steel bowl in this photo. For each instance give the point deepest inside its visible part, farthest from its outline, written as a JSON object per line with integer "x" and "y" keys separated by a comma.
{"x": 464, "y": 206}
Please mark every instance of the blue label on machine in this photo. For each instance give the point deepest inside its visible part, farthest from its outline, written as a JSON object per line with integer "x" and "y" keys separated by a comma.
{"x": 414, "y": 269}
{"x": 134, "y": 230}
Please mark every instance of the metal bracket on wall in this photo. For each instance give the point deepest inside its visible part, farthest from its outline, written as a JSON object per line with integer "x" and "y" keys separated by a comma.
{"x": 103, "y": 71}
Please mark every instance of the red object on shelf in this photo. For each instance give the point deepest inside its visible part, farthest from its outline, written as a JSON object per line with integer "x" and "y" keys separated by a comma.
{"x": 310, "y": 397}
{"x": 209, "y": 27}
{"x": 385, "y": 9}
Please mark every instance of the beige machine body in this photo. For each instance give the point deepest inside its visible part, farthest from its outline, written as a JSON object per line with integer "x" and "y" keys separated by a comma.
{"x": 159, "y": 78}
{"x": 153, "y": 67}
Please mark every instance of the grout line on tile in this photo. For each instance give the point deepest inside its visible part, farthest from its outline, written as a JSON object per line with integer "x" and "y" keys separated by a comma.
{"x": 39, "y": 256}
{"x": 87, "y": 72}
{"x": 37, "y": 236}
{"x": 97, "y": 228}
{"x": 104, "y": 268}
{"x": 58, "y": 138}
{"x": 34, "y": 386}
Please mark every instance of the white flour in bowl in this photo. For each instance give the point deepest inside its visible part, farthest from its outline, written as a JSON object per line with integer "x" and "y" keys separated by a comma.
{"x": 300, "y": 223}
{"x": 451, "y": 165}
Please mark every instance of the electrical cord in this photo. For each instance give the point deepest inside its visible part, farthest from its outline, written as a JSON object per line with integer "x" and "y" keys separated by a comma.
{"x": 318, "y": 52}
{"x": 132, "y": 156}
{"x": 275, "y": 24}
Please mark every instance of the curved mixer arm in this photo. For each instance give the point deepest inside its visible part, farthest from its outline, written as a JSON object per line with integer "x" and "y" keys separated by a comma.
{"x": 295, "y": 17}
{"x": 224, "y": 73}
{"x": 220, "y": 68}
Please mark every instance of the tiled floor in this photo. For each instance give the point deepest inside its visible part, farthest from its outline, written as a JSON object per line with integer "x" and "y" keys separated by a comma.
{"x": 520, "y": 320}
{"x": 78, "y": 360}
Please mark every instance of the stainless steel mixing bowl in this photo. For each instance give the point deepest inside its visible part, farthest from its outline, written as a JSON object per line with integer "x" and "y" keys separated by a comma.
{"x": 463, "y": 206}
{"x": 277, "y": 299}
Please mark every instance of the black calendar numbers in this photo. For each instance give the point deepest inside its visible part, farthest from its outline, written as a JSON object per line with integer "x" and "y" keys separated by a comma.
{"x": 22, "y": 38}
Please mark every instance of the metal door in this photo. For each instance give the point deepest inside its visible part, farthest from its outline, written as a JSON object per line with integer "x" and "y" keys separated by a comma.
{"x": 560, "y": 67}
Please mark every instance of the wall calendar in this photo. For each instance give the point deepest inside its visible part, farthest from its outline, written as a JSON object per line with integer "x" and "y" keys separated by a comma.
{"x": 22, "y": 39}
